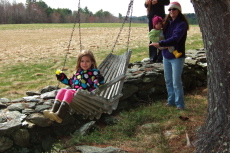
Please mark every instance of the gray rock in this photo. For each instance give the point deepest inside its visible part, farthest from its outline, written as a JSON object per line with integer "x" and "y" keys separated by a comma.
{"x": 32, "y": 93}
{"x": 15, "y": 115}
{"x": 41, "y": 108}
{"x": 137, "y": 80}
{"x": 189, "y": 61}
{"x": 48, "y": 89}
{"x": 4, "y": 100}
{"x": 49, "y": 102}
{"x": 204, "y": 65}
{"x": 152, "y": 74}
{"x": 28, "y": 111}
{"x": 2, "y": 106}
{"x": 7, "y": 128}
{"x": 1, "y": 119}
{"x": 5, "y": 143}
{"x": 145, "y": 60}
{"x": 27, "y": 124}
{"x": 128, "y": 90}
{"x": 92, "y": 149}
{"x": 31, "y": 105}
{"x": 17, "y": 100}
{"x": 83, "y": 130}
{"x": 47, "y": 143}
{"x": 39, "y": 120}
{"x": 16, "y": 107}
{"x": 148, "y": 79}
{"x": 49, "y": 95}
{"x": 35, "y": 98}
{"x": 21, "y": 137}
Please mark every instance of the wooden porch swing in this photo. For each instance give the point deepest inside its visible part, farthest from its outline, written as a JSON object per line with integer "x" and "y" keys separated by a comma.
{"x": 104, "y": 99}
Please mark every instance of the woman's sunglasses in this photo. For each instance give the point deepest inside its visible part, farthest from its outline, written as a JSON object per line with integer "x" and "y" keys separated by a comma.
{"x": 173, "y": 9}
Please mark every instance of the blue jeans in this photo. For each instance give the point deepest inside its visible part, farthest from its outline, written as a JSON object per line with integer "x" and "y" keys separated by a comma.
{"x": 172, "y": 73}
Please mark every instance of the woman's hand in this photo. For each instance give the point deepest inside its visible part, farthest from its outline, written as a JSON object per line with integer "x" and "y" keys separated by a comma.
{"x": 148, "y": 2}
{"x": 154, "y": 2}
{"x": 151, "y": 1}
{"x": 155, "y": 44}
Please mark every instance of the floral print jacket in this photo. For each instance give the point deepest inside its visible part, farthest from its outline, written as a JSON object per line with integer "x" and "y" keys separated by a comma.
{"x": 83, "y": 79}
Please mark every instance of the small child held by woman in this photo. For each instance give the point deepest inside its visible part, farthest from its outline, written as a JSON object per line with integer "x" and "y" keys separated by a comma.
{"x": 87, "y": 77}
{"x": 156, "y": 35}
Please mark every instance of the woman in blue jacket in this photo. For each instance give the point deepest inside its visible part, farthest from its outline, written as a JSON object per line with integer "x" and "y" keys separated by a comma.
{"x": 175, "y": 31}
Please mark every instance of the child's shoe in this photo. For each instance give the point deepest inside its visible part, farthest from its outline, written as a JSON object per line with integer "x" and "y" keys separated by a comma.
{"x": 55, "y": 107}
{"x": 60, "y": 114}
{"x": 176, "y": 53}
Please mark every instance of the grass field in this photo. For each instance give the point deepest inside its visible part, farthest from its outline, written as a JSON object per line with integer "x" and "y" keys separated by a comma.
{"x": 30, "y": 54}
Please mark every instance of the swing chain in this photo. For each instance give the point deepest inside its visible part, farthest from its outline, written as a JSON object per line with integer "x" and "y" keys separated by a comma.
{"x": 130, "y": 21}
{"x": 71, "y": 37}
{"x": 79, "y": 25}
{"x": 130, "y": 9}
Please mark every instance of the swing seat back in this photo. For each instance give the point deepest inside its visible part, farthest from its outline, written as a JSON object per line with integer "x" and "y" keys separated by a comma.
{"x": 104, "y": 99}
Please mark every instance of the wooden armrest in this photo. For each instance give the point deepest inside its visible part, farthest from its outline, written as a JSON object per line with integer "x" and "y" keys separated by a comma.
{"x": 110, "y": 83}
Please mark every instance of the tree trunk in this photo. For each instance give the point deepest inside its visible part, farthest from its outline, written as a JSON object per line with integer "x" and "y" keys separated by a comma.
{"x": 214, "y": 21}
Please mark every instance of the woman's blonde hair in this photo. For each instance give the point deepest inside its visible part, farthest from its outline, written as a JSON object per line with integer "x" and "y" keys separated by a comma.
{"x": 90, "y": 55}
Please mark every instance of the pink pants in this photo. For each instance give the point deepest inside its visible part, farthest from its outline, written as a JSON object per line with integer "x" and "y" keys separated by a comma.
{"x": 65, "y": 95}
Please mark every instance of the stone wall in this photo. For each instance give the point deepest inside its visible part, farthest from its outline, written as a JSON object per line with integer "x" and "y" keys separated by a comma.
{"x": 23, "y": 127}
{"x": 145, "y": 81}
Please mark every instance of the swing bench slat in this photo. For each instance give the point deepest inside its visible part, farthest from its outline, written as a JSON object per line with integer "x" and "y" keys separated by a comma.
{"x": 104, "y": 99}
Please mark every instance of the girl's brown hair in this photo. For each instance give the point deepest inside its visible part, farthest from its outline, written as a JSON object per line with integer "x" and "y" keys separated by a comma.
{"x": 90, "y": 55}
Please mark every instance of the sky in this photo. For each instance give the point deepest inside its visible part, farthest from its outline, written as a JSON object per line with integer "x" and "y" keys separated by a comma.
{"x": 115, "y": 7}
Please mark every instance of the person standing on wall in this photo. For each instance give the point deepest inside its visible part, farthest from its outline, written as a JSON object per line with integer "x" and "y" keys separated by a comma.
{"x": 175, "y": 29}
{"x": 155, "y": 7}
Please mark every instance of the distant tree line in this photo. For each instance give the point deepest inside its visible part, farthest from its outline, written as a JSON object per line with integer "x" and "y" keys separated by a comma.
{"x": 39, "y": 12}
{"x": 192, "y": 18}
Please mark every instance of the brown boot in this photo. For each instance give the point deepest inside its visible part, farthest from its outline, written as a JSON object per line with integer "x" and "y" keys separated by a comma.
{"x": 60, "y": 114}
{"x": 55, "y": 107}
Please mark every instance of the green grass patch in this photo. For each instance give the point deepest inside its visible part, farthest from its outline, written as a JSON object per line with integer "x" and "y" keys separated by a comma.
{"x": 146, "y": 127}
{"x": 22, "y": 77}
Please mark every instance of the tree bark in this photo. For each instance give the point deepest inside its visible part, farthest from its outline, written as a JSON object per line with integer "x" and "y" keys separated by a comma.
{"x": 214, "y": 21}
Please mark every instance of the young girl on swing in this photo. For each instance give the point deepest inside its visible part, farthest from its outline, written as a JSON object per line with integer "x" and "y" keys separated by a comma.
{"x": 87, "y": 77}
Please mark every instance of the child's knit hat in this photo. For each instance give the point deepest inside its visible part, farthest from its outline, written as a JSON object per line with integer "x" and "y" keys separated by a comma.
{"x": 155, "y": 20}
{"x": 175, "y": 5}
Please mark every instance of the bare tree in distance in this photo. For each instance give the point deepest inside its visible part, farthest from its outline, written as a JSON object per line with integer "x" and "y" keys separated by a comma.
{"x": 213, "y": 18}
